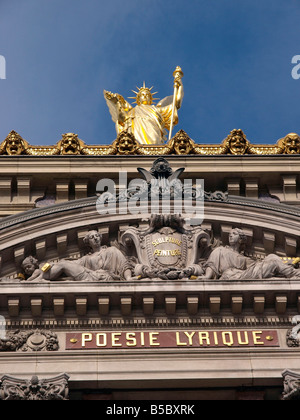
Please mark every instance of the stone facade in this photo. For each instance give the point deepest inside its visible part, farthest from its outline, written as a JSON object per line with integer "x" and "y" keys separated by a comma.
{"x": 150, "y": 316}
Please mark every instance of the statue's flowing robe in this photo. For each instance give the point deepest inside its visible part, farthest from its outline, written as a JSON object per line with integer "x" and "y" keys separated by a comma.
{"x": 148, "y": 123}
{"x": 106, "y": 264}
{"x": 228, "y": 264}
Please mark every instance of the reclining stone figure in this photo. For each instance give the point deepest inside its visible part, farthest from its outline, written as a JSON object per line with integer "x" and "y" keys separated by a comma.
{"x": 229, "y": 263}
{"x": 102, "y": 264}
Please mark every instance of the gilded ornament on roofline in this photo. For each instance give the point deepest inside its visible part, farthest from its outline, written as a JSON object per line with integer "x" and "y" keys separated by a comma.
{"x": 181, "y": 144}
{"x": 235, "y": 143}
{"x": 125, "y": 144}
{"x": 14, "y": 144}
{"x": 70, "y": 144}
{"x": 290, "y": 144}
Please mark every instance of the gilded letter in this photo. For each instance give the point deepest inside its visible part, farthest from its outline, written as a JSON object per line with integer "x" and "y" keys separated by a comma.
{"x": 86, "y": 337}
{"x": 204, "y": 335}
{"x": 178, "y": 342}
{"x": 104, "y": 340}
{"x": 216, "y": 338}
{"x": 115, "y": 339}
{"x": 246, "y": 339}
{"x": 256, "y": 337}
{"x": 190, "y": 337}
{"x": 153, "y": 339}
{"x": 131, "y": 340}
{"x": 227, "y": 341}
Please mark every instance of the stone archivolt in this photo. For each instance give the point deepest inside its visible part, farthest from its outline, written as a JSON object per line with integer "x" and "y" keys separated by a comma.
{"x": 235, "y": 143}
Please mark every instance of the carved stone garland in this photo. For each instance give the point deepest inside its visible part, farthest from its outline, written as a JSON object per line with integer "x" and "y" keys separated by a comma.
{"x": 35, "y": 340}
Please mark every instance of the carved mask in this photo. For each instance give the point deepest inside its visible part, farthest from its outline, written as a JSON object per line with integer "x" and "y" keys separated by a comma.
{"x": 126, "y": 144}
{"x": 291, "y": 144}
{"x": 237, "y": 143}
{"x": 14, "y": 144}
{"x": 70, "y": 144}
{"x": 182, "y": 145}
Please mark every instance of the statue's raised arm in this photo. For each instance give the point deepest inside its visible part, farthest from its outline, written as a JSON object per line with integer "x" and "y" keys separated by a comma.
{"x": 146, "y": 121}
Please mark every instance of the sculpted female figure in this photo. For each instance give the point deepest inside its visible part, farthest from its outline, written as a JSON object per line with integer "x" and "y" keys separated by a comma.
{"x": 228, "y": 263}
{"x": 102, "y": 264}
{"x": 147, "y": 122}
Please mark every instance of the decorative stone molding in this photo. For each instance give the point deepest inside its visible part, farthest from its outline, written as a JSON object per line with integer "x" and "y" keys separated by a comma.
{"x": 34, "y": 389}
{"x": 216, "y": 318}
{"x": 291, "y": 385}
{"x": 211, "y": 302}
{"x": 29, "y": 341}
{"x": 235, "y": 143}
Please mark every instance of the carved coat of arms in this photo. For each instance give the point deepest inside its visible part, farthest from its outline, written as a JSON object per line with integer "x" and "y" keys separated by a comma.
{"x": 165, "y": 244}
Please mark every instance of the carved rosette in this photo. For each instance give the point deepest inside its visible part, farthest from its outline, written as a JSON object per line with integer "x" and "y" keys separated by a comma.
{"x": 35, "y": 389}
{"x": 29, "y": 341}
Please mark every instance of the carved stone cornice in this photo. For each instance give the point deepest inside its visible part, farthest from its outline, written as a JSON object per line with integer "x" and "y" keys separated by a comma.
{"x": 235, "y": 143}
{"x": 35, "y": 389}
{"x": 64, "y": 304}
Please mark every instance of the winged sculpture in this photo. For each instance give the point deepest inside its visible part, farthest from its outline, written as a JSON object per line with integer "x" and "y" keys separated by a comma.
{"x": 146, "y": 121}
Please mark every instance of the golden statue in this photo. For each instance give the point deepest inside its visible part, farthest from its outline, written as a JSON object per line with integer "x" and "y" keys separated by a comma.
{"x": 146, "y": 121}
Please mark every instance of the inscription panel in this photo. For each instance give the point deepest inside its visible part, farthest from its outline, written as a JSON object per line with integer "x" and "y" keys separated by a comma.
{"x": 171, "y": 339}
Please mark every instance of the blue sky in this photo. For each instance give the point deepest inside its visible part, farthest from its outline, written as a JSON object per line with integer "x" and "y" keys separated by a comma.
{"x": 236, "y": 56}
